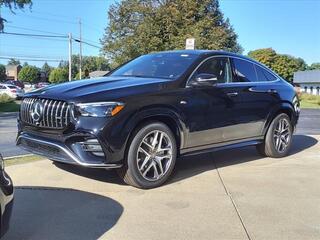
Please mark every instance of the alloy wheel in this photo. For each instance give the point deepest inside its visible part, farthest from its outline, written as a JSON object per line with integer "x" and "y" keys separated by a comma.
{"x": 282, "y": 135}
{"x": 154, "y": 155}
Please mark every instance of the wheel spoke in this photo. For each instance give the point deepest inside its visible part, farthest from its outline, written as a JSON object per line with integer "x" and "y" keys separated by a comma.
{"x": 156, "y": 173}
{"x": 144, "y": 173}
{"x": 144, "y": 151}
{"x": 159, "y": 163}
{"x": 147, "y": 144}
{"x": 160, "y": 142}
{"x": 145, "y": 161}
{"x": 155, "y": 139}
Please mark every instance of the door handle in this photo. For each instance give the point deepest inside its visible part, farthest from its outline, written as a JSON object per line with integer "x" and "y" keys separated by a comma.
{"x": 232, "y": 94}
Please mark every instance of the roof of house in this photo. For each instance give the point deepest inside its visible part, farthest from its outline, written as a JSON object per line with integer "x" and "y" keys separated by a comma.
{"x": 310, "y": 76}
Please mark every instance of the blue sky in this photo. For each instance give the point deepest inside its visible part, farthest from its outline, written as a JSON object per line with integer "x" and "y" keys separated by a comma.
{"x": 290, "y": 27}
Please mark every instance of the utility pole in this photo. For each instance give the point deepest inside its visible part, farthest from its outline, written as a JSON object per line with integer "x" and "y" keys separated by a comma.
{"x": 80, "y": 58}
{"x": 70, "y": 56}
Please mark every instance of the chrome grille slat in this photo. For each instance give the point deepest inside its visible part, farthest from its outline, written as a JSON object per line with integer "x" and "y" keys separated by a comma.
{"x": 56, "y": 114}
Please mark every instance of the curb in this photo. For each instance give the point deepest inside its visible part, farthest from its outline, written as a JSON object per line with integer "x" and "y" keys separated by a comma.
{"x": 18, "y": 156}
{"x": 9, "y": 114}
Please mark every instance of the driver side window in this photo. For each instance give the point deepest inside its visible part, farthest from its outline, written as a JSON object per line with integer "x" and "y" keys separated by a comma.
{"x": 218, "y": 66}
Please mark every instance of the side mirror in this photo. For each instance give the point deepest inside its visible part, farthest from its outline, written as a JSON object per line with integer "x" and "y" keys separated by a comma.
{"x": 204, "y": 79}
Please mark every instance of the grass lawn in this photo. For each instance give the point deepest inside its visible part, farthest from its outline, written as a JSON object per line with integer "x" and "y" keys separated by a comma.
{"x": 9, "y": 107}
{"x": 309, "y": 101}
{"x": 21, "y": 160}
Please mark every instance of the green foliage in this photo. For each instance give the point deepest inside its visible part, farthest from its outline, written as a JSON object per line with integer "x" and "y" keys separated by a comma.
{"x": 13, "y": 61}
{"x": 5, "y": 98}
{"x": 284, "y": 65}
{"x": 89, "y": 63}
{"x": 314, "y": 66}
{"x": 15, "y": 3}
{"x": 142, "y": 26}
{"x": 58, "y": 75}
{"x": 29, "y": 74}
{"x": 3, "y": 75}
{"x": 46, "y": 68}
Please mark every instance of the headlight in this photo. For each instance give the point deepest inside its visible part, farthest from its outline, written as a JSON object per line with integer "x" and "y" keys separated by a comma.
{"x": 1, "y": 163}
{"x": 99, "y": 109}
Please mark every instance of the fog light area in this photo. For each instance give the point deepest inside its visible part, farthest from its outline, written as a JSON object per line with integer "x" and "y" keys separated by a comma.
{"x": 93, "y": 146}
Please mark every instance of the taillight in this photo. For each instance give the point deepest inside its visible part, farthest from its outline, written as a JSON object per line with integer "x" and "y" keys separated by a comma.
{"x": 13, "y": 90}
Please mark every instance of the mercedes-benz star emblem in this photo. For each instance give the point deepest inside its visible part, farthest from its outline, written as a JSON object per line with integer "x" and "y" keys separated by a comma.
{"x": 37, "y": 112}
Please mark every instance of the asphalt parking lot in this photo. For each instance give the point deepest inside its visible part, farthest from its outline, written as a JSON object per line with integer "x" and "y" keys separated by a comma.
{"x": 234, "y": 194}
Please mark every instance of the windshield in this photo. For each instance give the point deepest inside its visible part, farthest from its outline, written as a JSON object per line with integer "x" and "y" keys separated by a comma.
{"x": 159, "y": 65}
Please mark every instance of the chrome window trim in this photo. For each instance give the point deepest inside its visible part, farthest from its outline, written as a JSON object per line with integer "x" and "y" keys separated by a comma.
{"x": 244, "y": 59}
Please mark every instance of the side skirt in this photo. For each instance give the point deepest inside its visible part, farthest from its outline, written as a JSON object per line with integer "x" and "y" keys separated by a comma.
{"x": 221, "y": 146}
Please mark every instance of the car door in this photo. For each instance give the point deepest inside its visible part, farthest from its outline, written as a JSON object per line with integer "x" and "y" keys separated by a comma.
{"x": 210, "y": 109}
{"x": 254, "y": 100}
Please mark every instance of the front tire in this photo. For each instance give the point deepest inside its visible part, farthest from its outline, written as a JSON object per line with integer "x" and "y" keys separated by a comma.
{"x": 151, "y": 156}
{"x": 278, "y": 139}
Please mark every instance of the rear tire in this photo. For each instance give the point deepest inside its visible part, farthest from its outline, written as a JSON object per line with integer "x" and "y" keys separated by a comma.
{"x": 151, "y": 156}
{"x": 278, "y": 139}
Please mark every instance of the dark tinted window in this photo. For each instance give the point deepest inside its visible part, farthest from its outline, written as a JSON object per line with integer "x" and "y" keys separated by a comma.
{"x": 158, "y": 65}
{"x": 220, "y": 67}
{"x": 244, "y": 70}
{"x": 264, "y": 75}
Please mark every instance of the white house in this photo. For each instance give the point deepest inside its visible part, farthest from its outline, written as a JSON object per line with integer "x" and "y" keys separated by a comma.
{"x": 309, "y": 81}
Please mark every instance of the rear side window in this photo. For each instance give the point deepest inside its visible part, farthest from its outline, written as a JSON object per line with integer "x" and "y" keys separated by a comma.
{"x": 244, "y": 71}
{"x": 11, "y": 87}
{"x": 264, "y": 75}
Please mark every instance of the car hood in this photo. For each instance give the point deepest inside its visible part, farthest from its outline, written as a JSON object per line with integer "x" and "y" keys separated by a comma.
{"x": 100, "y": 89}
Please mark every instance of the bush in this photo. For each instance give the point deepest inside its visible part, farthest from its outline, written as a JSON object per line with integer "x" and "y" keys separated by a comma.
{"x": 29, "y": 74}
{"x": 58, "y": 75}
{"x": 5, "y": 98}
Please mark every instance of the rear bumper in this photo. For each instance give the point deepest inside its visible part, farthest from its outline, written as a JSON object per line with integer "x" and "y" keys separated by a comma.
{"x": 57, "y": 151}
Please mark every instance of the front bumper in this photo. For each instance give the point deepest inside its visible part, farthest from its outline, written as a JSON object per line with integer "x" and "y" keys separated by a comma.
{"x": 58, "y": 151}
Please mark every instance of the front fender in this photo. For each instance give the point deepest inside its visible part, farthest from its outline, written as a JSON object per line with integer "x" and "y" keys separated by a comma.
{"x": 157, "y": 112}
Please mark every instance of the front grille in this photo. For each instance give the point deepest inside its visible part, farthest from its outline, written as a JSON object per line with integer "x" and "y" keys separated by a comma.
{"x": 55, "y": 114}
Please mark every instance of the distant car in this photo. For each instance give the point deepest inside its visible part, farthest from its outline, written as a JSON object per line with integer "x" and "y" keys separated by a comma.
{"x": 6, "y": 199}
{"x": 12, "y": 91}
{"x": 17, "y": 83}
{"x": 42, "y": 84}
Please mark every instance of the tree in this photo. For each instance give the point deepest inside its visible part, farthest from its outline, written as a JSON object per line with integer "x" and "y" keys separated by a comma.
{"x": 58, "y": 75}
{"x": 3, "y": 75}
{"x": 25, "y": 64}
{"x": 17, "y": 4}
{"x": 29, "y": 74}
{"x": 13, "y": 61}
{"x": 141, "y": 26}
{"x": 284, "y": 65}
{"x": 314, "y": 66}
{"x": 46, "y": 68}
{"x": 90, "y": 63}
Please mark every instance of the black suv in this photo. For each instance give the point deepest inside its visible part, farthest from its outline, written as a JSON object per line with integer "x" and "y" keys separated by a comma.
{"x": 145, "y": 113}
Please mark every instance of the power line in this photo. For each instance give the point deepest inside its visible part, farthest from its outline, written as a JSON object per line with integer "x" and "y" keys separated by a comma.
{"x": 89, "y": 44}
{"x": 34, "y": 30}
{"x": 34, "y": 35}
{"x": 35, "y": 60}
